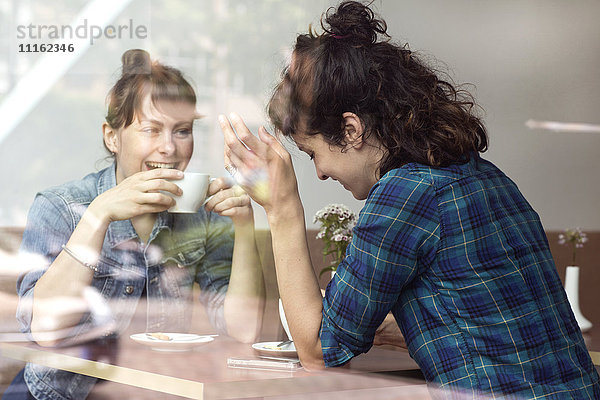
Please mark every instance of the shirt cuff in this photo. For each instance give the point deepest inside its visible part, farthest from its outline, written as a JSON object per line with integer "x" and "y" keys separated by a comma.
{"x": 24, "y": 310}
{"x": 335, "y": 353}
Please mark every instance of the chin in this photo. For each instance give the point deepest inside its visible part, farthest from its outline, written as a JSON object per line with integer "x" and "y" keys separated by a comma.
{"x": 355, "y": 194}
{"x": 359, "y": 196}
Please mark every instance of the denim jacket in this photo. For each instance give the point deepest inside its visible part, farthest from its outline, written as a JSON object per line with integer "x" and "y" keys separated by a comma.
{"x": 182, "y": 249}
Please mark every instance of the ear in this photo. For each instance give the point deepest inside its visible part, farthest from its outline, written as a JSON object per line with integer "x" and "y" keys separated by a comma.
{"x": 353, "y": 130}
{"x": 111, "y": 139}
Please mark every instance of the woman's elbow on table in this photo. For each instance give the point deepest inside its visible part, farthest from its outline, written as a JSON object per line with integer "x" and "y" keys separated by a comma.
{"x": 243, "y": 316}
{"x": 243, "y": 335}
{"x": 245, "y": 329}
{"x": 311, "y": 358}
{"x": 44, "y": 338}
{"x": 312, "y": 363}
{"x": 53, "y": 318}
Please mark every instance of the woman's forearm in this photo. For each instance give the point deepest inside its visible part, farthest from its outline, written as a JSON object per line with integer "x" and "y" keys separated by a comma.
{"x": 278, "y": 195}
{"x": 245, "y": 299}
{"x": 298, "y": 285}
{"x": 58, "y": 301}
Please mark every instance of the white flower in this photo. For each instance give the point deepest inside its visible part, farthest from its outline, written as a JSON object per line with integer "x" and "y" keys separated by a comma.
{"x": 336, "y": 224}
{"x": 573, "y": 237}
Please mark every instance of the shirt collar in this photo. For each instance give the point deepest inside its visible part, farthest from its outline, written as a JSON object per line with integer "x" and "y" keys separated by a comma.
{"x": 164, "y": 220}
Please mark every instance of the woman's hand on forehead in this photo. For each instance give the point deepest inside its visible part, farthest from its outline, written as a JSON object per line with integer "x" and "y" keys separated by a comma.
{"x": 261, "y": 165}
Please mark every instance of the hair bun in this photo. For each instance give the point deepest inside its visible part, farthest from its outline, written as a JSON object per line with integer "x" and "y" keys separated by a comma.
{"x": 136, "y": 61}
{"x": 354, "y": 21}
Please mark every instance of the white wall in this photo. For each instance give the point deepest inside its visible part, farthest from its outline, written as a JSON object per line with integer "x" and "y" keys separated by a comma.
{"x": 528, "y": 59}
{"x": 534, "y": 59}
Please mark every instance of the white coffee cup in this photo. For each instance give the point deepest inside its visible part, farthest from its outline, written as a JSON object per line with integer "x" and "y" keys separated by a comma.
{"x": 283, "y": 319}
{"x": 194, "y": 186}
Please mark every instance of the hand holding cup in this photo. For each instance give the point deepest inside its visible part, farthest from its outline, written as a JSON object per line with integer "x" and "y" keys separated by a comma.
{"x": 229, "y": 199}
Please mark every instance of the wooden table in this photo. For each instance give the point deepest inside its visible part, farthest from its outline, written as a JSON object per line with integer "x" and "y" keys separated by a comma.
{"x": 135, "y": 371}
{"x": 592, "y": 342}
{"x": 203, "y": 373}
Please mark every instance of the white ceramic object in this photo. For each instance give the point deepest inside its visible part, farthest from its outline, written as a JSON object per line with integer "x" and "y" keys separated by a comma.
{"x": 273, "y": 349}
{"x": 194, "y": 186}
{"x": 283, "y": 319}
{"x": 572, "y": 289}
{"x": 178, "y": 342}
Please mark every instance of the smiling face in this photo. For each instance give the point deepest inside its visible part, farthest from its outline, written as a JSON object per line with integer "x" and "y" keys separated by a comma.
{"x": 354, "y": 167}
{"x": 159, "y": 137}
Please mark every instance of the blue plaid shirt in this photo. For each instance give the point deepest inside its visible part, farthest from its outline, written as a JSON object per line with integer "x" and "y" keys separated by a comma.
{"x": 461, "y": 260}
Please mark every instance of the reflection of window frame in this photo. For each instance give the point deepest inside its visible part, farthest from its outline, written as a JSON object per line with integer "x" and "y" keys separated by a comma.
{"x": 48, "y": 68}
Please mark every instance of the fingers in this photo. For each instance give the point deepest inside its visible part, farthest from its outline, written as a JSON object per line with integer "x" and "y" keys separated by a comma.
{"x": 155, "y": 180}
{"x": 230, "y": 204}
{"x": 250, "y": 141}
{"x": 239, "y": 139}
{"x": 156, "y": 200}
{"x": 218, "y": 184}
{"x": 242, "y": 168}
{"x": 273, "y": 143}
{"x": 141, "y": 193}
{"x": 160, "y": 173}
{"x": 243, "y": 171}
{"x": 152, "y": 195}
{"x": 228, "y": 198}
{"x": 265, "y": 136}
{"x": 231, "y": 140}
{"x": 146, "y": 203}
{"x": 155, "y": 185}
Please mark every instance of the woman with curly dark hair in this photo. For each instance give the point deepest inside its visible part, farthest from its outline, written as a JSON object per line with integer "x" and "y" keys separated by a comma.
{"x": 445, "y": 241}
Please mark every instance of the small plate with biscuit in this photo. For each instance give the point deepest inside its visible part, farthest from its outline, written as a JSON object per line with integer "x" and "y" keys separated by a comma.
{"x": 172, "y": 341}
{"x": 276, "y": 349}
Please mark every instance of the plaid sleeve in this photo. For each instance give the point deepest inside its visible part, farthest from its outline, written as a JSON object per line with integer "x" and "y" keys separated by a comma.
{"x": 397, "y": 228}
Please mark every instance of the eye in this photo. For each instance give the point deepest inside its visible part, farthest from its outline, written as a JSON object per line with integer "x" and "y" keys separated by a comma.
{"x": 150, "y": 130}
{"x": 182, "y": 133}
{"x": 310, "y": 154}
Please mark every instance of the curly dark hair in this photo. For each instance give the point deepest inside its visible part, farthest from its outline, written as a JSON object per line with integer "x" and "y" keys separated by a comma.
{"x": 353, "y": 67}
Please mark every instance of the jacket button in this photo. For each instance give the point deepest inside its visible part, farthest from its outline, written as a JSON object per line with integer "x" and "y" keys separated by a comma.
{"x": 128, "y": 289}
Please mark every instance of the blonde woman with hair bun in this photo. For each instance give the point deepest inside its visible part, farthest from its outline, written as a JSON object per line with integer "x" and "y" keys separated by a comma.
{"x": 110, "y": 234}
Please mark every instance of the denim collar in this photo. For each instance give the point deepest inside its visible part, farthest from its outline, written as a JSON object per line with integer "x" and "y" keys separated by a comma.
{"x": 122, "y": 231}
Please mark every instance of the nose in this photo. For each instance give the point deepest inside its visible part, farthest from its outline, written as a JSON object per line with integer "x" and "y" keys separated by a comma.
{"x": 166, "y": 145}
{"x": 320, "y": 174}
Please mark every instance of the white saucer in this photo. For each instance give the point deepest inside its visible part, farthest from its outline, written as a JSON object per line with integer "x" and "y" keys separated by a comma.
{"x": 178, "y": 342}
{"x": 271, "y": 349}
